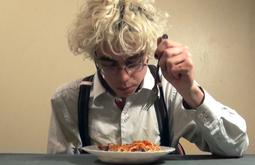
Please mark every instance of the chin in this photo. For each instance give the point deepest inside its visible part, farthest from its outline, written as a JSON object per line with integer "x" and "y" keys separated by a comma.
{"x": 124, "y": 94}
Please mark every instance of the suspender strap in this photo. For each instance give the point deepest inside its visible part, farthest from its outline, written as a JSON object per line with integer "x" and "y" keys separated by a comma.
{"x": 162, "y": 113}
{"x": 163, "y": 123}
{"x": 83, "y": 109}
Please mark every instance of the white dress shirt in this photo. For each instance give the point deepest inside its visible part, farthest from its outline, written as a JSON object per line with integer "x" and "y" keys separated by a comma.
{"x": 213, "y": 127}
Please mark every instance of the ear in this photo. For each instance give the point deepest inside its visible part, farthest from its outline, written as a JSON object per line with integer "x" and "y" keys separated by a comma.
{"x": 146, "y": 59}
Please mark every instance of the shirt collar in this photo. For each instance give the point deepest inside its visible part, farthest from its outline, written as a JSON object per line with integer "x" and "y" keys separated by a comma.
{"x": 98, "y": 88}
{"x": 149, "y": 80}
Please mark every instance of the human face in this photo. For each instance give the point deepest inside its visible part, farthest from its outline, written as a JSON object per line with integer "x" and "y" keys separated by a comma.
{"x": 123, "y": 74}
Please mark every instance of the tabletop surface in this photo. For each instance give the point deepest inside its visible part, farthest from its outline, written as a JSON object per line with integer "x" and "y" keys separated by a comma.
{"x": 88, "y": 159}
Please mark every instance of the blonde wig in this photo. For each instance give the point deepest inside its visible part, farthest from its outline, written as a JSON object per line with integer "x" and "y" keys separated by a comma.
{"x": 123, "y": 27}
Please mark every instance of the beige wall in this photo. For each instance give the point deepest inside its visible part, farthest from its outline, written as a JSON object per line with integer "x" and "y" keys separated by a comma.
{"x": 34, "y": 60}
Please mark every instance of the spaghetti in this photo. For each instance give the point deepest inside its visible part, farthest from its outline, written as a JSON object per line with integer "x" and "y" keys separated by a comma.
{"x": 136, "y": 146}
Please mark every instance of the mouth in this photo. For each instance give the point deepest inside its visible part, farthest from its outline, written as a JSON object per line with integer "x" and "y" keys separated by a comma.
{"x": 126, "y": 89}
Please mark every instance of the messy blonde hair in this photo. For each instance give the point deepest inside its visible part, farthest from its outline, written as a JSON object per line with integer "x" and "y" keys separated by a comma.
{"x": 122, "y": 26}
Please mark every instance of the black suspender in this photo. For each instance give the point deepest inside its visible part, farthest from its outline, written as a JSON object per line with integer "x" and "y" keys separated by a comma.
{"x": 83, "y": 112}
{"x": 162, "y": 113}
{"x": 83, "y": 109}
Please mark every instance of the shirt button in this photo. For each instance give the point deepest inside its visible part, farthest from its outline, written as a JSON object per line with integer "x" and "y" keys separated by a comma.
{"x": 201, "y": 116}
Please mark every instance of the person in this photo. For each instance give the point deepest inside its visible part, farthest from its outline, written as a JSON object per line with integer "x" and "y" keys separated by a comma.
{"x": 120, "y": 37}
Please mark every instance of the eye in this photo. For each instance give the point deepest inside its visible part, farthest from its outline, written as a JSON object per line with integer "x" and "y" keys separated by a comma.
{"x": 132, "y": 65}
{"x": 134, "y": 61}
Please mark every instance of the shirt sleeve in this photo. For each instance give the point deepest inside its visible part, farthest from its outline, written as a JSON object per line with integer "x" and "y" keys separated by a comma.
{"x": 224, "y": 130}
{"x": 63, "y": 135}
{"x": 212, "y": 126}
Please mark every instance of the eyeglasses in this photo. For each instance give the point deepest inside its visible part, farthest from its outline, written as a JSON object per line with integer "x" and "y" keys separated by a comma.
{"x": 132, "y": 64}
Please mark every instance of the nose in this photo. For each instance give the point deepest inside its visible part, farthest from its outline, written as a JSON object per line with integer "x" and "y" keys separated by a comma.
{"x": 123, "y": 74}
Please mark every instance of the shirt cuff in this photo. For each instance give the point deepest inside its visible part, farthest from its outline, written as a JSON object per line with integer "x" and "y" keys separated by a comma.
{"x": 208, "y": 111}
{"x": 187, "y": 106}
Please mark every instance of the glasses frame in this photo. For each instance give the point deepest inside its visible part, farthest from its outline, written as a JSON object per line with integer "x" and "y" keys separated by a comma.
{"x": 129, "y": 68}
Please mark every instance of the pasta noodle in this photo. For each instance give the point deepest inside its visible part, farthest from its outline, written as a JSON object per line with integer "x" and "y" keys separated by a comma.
{"x": 136, "y": 146}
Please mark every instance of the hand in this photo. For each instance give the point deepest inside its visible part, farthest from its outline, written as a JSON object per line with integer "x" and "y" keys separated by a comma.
{"x": 177, "y": 67}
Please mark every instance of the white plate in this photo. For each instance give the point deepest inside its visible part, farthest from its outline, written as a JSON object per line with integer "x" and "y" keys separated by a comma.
{"x": 128, "y": 157}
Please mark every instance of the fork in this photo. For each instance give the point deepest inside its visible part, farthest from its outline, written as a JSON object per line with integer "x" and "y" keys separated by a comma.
{"x": 158, "y": 85}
